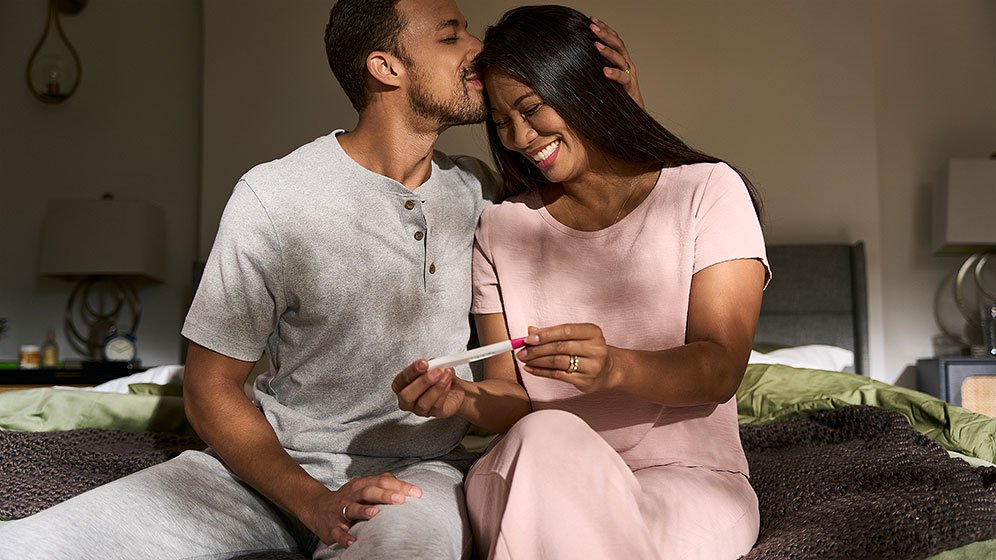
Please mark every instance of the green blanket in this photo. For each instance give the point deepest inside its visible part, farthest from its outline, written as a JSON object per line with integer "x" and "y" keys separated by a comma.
{"x": 769, "y": 392}
{"x": 49, "y": 410}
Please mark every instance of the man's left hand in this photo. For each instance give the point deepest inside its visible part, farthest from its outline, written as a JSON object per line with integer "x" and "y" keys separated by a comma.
{"x": 431, "y": 393}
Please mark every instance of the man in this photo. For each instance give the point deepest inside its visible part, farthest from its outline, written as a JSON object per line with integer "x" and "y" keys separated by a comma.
{"x": 346, "y": 259}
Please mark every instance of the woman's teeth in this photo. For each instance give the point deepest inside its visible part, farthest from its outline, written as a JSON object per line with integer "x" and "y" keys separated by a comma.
{"x": 547, "y": 151}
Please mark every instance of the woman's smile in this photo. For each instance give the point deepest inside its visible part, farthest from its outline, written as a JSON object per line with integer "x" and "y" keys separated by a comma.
{"x": 545, "y": 156}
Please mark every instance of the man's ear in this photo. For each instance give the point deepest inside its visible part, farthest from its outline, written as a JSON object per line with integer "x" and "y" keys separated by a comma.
{"x": 385, "y": 68}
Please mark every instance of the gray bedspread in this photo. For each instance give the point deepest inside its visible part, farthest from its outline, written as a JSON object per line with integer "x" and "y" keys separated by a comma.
{"x": 41, "y": 469}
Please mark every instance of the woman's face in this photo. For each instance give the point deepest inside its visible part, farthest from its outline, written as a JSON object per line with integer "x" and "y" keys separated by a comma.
{"x": 527, "y": 125}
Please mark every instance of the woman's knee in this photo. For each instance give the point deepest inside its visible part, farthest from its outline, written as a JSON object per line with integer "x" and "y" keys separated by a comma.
{"x": 550, "y": 424}
{"x": 553, "y": 433}
{"x": 545, "y": 441}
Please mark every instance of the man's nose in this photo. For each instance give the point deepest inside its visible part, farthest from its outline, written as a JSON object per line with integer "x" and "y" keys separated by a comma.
{"x": 476, "y": 46}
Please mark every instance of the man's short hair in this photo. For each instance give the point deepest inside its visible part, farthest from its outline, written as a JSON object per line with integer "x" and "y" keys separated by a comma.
{"x": 357, "y": 28}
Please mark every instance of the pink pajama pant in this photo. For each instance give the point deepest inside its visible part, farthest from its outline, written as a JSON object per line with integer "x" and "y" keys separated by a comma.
{"x": 553, "y": 488}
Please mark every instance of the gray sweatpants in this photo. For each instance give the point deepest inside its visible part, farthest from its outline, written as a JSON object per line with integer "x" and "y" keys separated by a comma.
{"x": 194, "y": 507}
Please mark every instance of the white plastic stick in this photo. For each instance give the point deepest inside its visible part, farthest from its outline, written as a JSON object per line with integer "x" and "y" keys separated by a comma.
{"x": 477, "y": 353}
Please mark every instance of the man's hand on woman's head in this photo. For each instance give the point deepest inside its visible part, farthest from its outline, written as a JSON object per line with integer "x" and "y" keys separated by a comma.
{"x": 622, "y": 68}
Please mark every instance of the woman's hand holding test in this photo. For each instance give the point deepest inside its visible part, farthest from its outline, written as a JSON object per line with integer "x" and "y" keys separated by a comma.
{"x": 724, "y": 303}
{"x": 574, "y": 353}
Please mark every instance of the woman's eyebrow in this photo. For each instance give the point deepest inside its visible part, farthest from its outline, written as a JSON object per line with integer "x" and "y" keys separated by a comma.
{"x": 517, "y": 100}
{"x": 523, "y": 96}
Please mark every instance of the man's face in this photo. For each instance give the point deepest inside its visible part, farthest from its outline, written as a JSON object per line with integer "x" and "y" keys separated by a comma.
{"x": 443, "y": 85}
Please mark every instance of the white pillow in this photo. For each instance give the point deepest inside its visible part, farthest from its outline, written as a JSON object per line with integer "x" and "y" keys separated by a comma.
{"x": 811, "y": 356}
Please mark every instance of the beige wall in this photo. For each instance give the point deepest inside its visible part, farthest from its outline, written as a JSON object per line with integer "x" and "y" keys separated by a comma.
{"x": 131, "y": 129}
{"x": 935, "y": 100}
{"x": 840, "y": 111}
{"x": 267, "y": 90}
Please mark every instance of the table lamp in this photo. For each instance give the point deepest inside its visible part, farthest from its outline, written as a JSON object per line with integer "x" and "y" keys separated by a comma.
{"x": 965, "y": 223}
{"x": 105, "y": 246}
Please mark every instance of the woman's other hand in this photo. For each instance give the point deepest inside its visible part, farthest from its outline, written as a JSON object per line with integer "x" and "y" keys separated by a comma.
{"x": 622, "y": 68}
{"x": 574, "y": 353}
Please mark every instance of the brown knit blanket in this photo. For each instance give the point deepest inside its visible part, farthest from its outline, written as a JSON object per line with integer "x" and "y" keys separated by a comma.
{"x": 860, "y": 483}
{"x": 41, "y": 469}
{"x": 853, "y": 483}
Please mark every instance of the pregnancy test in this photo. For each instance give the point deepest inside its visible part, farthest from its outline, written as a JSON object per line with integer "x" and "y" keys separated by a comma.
{"x": 477, "y": 353}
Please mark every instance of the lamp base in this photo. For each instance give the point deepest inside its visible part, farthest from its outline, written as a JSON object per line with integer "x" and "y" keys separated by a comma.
{"x": 97, "y": 306}
{"x": 975, "y": 297}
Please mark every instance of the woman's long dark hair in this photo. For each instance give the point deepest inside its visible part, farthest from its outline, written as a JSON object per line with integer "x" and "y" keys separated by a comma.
{"x": 552, "y": 50}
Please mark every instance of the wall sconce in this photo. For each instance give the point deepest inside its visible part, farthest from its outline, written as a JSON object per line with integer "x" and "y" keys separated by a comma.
{"x": 104, "y": 245}
{"x": 965, "y": 223}
{"x": 54, "y": 69}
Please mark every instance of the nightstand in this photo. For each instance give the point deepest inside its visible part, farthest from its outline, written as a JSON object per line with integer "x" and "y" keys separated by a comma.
{"x": 967, "y": 381}
{"x": 83, "y": 376}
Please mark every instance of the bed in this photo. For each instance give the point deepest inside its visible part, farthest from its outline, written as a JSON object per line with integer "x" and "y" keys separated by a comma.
{"x": 818, "y": 295}
{"x": 844, "y": 466}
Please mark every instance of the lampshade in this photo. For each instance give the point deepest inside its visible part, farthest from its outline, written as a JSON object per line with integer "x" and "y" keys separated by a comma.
{"x": 103, "y": 238}
{"x": 965, "y": 207}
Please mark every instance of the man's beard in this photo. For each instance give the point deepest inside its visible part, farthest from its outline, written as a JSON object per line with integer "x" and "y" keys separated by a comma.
{"x": 462, "y": 107}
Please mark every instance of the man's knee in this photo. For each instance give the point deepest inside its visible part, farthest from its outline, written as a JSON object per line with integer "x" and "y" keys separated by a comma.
{"x": 419, "y": 528}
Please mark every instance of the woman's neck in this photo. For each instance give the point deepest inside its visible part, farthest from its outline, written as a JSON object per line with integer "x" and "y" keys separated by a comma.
{"x": 601, "y": 197}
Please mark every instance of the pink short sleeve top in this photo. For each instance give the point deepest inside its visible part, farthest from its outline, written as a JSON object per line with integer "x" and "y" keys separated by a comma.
{"x": 633, "y": 280}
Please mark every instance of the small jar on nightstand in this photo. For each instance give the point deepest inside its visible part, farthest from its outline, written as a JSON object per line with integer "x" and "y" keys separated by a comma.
{"x": 30, "y": 356}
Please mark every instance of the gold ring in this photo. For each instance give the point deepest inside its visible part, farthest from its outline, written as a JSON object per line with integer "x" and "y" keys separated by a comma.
{"x": 344, "y": 516}
{"x": 627, "y": 70}
{"x": 574, "y": 364}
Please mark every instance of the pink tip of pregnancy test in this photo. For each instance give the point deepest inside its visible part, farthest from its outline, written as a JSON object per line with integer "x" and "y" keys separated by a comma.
{"x": 518, "y": 343}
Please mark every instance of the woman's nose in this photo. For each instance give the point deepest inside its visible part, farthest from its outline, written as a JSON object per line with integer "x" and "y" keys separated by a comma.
{"x": 524, "y": 133}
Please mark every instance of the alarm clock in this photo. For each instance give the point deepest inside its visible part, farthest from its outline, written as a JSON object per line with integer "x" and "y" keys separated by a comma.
{"x": 120, "y": 347}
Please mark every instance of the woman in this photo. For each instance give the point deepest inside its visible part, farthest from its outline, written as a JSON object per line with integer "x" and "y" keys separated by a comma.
{"x": 636, "y": 266}
{"x": 642, "y": 262}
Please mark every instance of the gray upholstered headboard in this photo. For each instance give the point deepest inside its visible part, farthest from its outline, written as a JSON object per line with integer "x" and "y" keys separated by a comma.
{"x": 817, "y": 295}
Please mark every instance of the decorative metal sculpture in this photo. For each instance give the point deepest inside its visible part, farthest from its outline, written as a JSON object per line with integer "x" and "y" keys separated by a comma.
{"x": 54, "y": 68}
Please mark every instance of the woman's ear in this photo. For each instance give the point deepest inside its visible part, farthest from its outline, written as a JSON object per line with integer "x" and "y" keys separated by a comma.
{"x": 385, "y": 68}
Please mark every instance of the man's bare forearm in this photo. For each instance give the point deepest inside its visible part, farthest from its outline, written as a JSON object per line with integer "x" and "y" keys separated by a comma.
{"x": 235, "y": 429}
